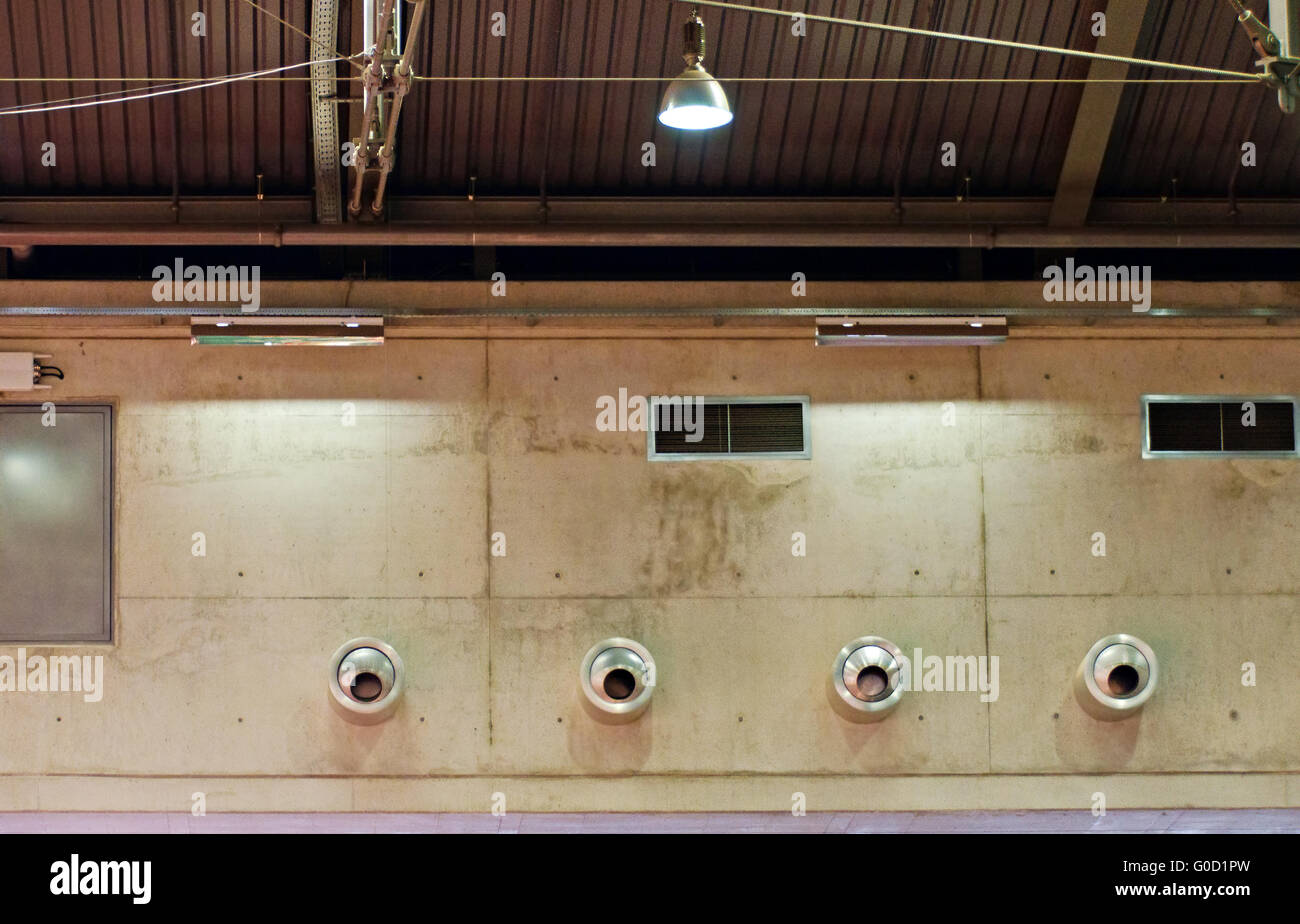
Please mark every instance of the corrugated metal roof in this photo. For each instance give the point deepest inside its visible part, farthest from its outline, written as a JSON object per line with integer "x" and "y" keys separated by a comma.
{"x": 805, "y": 139}
{"x": 856, "y": 139}
{"x": 227, "y": 135}
{"x": 1195, "y": 134}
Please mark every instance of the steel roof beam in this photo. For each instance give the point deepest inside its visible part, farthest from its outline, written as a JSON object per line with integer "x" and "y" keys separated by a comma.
{"x": 34, "y": 212}
{"x": 324, "y": 116}
{"x": 1095, "y": 118}
{"x": 632, "y": 234}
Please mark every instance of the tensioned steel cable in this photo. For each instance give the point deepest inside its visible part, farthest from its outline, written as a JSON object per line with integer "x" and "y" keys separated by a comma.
{"x": 980, "y": 40}
{"x": 200, "y": 84}
{"x": 275, "y": 74}
{"x": 169, "y": 80}
{"x": 540, "y": 79}
{"x": 307, "y": 36}
{"x": 113, "y": 96}
{"x": 162, "y": 82}
{"x": 453, "y": 78}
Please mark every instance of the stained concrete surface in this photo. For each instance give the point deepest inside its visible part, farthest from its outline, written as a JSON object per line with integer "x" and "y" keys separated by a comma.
{"x": 1259, "y": 821}
{"x": 968, "y": 539}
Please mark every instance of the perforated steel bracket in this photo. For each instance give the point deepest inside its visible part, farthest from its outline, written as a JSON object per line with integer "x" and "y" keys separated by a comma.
{"x": 324, "y": 114}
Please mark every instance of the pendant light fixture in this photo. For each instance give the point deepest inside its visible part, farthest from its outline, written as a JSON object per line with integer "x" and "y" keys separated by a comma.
{"x": 694, "y": 101}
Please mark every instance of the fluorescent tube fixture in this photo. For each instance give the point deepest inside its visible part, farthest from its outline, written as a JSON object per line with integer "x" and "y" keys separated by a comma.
{"x": 694, "y": 101}
{"x": 296, "y": 331}
{"x": 911, "y": 331}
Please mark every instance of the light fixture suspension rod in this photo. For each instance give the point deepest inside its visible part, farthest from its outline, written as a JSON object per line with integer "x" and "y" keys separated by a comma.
{"x": 372, "y": 83}
{"x": 412, "y": 36}
{"x": 693, "y": 47}
{"x": 402, "y": 81}
{"x": 979, "y": 40}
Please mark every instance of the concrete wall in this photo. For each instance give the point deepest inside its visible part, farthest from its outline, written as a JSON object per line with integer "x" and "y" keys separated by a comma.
{"x": 965, "y": 539}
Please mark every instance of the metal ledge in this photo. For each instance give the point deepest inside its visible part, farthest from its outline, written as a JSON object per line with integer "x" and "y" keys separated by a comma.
{"x": 724, "y": 304}
{"x": 649, "y": 235}
{"x": 658, "y": 221}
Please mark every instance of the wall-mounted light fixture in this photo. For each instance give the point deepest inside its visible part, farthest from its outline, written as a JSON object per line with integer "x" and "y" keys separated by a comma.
{"x": 694, "y": 101}
{"x": 243, "y": 330}
{"x": 910, "y": 331}
{"x": 366, "y": 680}
{"x": 866, "y": 679}
{"x": 1116, "y": 677}
{"x": 617, "y": 679}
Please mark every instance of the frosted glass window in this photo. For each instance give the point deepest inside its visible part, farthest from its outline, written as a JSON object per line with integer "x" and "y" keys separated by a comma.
{"x": 56, "y": 523}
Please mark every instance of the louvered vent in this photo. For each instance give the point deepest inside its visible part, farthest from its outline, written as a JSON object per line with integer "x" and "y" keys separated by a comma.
{"x": 1218, "y": 426}
{"x": 728, "y": 428}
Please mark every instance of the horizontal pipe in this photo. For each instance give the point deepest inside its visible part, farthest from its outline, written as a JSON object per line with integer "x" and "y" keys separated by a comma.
{"x": 1051, "y": 312}
{"x": 648, "y": 235}
{"x": 753, "y": 211}
{"x": 757, "y": 298}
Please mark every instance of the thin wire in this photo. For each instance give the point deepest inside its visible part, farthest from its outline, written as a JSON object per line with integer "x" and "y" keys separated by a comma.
{"x": 195, "y": 85}
{"x": 112, "y": 93}
{"x": 275, "y": 74}
{"x": 318, "y": 45}
{"x": 979, "y": 40}
{"x": 250, "y": 76}
{"x": 185, "y": 83}
{"x": 198, "y": 84}
{"x": 948, "y": 80}
{"x": 177, "y": 81}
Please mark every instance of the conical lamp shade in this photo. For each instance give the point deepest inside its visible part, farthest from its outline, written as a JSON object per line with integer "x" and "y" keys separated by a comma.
{"x": 695, "y": 101}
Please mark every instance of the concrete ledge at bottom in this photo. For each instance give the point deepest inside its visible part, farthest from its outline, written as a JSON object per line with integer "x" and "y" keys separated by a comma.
{"x": 651, "y": 793}
{"x": 1150, "y": 821}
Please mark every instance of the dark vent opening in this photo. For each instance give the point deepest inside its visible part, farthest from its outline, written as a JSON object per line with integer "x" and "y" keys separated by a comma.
{"x": 1273, "y": 430}
{"x": 366, "y": 687}
{"x": 619, "y": 683}
{"x": 722, "y": 427}
{"x": 1228, "y": 427}
{"x": 1123, "y": 680}
{"x": 766, "y": 427}
{"x": 872, "y": 681}
{"x": 687, "y": 427}
{"x": 1178, "y": 427}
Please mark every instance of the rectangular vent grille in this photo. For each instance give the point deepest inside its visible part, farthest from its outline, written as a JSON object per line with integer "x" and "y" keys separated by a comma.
{"x": 728, "y": 428}
{"x": 1216, "y": 426}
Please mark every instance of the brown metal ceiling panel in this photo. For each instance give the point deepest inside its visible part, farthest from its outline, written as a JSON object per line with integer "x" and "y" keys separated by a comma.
{"x": 795, "y": 139}
{"x": 787, "y": 139}
{"x": 1188, "y": 139}
{"x": 455, "y": 131}
{"x": 226, "y": 135}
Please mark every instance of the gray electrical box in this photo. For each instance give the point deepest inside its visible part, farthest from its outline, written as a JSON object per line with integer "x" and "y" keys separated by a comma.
{"x": 56, "y": 523}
